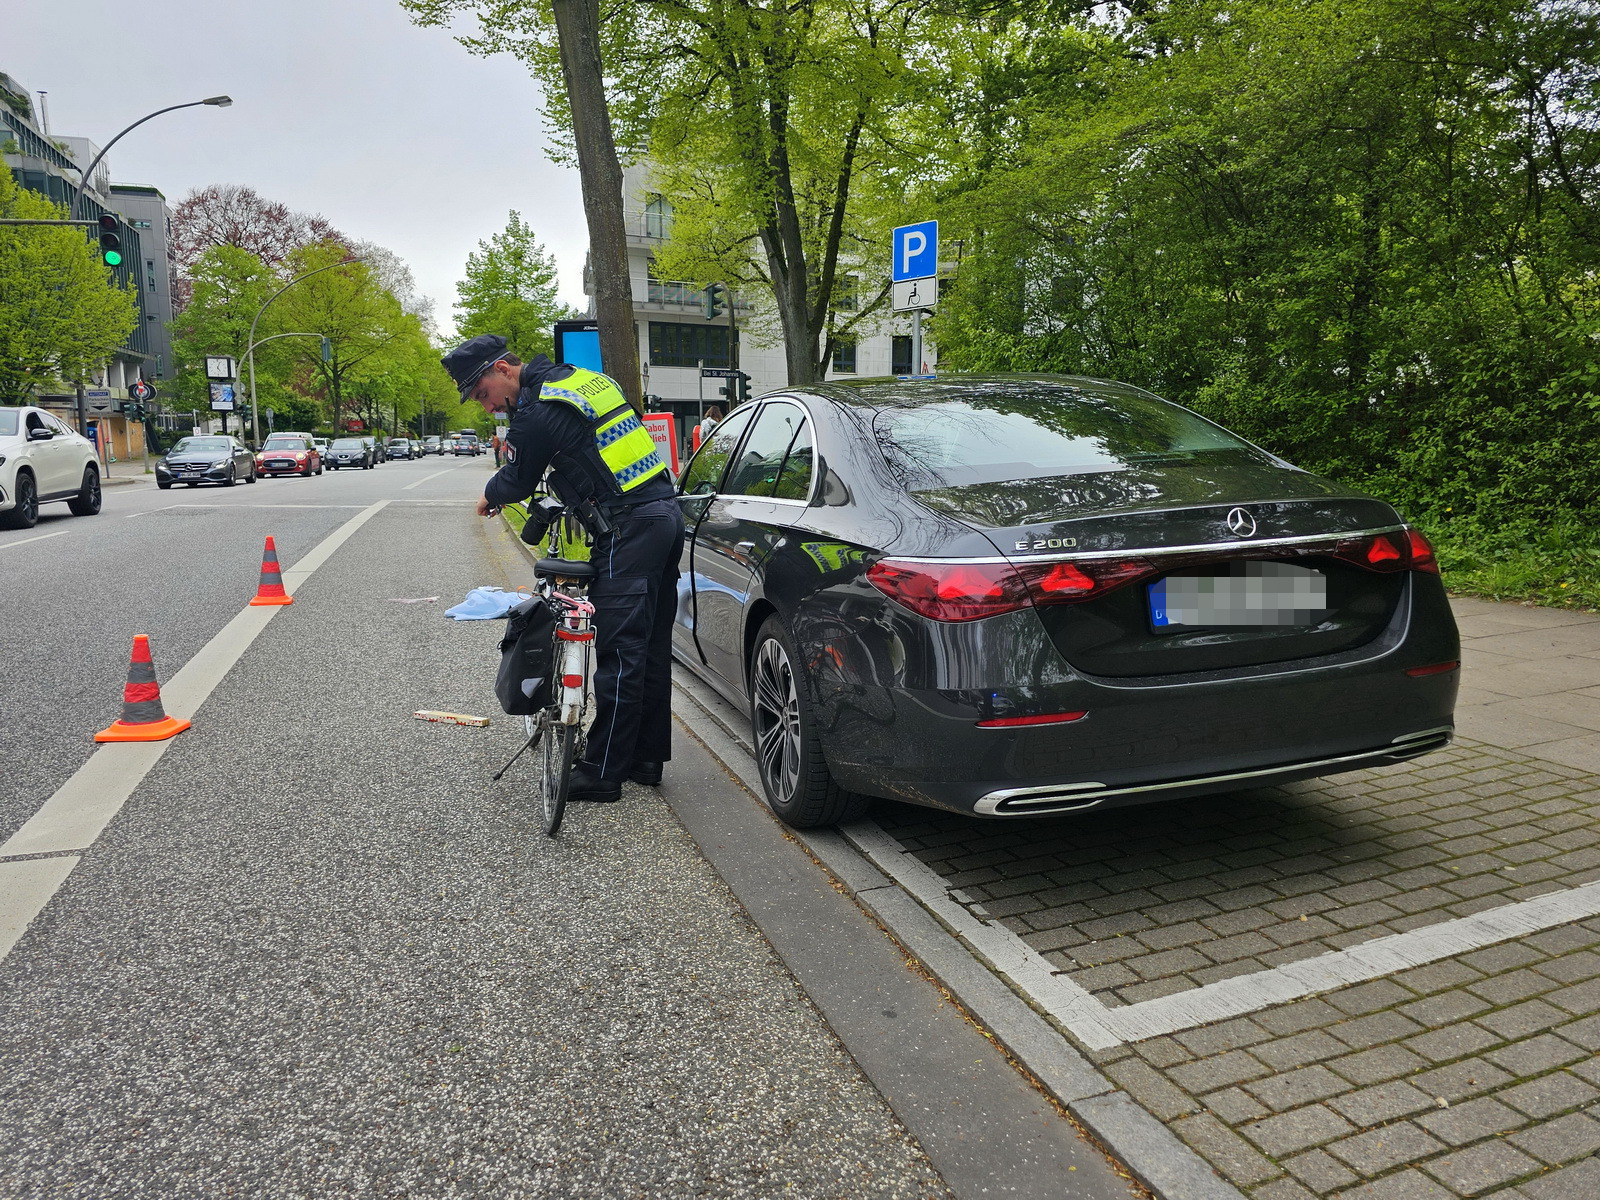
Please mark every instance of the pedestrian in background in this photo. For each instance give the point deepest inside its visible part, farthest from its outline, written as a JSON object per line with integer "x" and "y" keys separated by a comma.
{"x": 708, "y": 422}
{"x": 495, "y": 443}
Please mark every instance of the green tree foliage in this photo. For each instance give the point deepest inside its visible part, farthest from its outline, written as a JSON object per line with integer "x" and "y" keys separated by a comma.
{"x": 1364, "y": 233}
{"x": 510, "y": 289}
{"x": 227, "y": 286}
{"x": 786, "y": 132}
{"x": 61, "y": 313}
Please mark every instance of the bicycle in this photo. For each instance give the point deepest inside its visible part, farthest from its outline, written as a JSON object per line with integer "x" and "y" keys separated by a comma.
{"x": 559, "y": 726}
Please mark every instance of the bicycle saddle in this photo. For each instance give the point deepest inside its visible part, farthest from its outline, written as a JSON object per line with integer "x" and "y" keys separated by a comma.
{"x": 564, "y": 568}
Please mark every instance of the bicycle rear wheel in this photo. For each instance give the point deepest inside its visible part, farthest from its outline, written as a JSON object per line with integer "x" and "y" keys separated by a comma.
{"x": 554, "y": 771}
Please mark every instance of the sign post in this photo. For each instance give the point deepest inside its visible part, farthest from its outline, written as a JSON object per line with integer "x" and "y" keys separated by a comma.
{"x": 914, "y": 274}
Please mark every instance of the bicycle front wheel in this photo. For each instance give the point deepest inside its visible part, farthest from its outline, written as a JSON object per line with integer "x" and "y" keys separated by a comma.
{"x": 555, "y": 772}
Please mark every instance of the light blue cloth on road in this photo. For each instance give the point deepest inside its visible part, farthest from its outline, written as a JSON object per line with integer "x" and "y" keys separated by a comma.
{"x": 486, "y": 604}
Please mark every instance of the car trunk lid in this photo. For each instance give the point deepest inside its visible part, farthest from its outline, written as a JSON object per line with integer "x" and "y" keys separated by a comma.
{"x": 1188, "y": 568}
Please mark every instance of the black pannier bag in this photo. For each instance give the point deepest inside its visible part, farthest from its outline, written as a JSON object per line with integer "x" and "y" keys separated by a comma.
{"x": 527, "y": 659}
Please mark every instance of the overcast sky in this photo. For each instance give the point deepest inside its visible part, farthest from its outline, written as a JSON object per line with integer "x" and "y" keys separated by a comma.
{"x": 341, "y": 107}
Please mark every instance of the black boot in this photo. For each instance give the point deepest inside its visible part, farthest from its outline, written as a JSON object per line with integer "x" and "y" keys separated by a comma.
{"x": 647, "y": 773}
{"x": 587, "y": 785}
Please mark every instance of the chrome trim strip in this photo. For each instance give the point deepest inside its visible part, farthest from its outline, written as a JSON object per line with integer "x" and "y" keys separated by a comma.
{"x": 1154, "y": 551}
{"x": 1043, "y": 797}
{"x": 1423, "y": 733}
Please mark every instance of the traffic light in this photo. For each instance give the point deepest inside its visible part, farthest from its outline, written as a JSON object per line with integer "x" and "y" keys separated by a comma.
{"x": 110, "y": 240}
{"x": 742, "y": 386}
{"x": 327, "y": 350}
{"x": 715, "y": 298}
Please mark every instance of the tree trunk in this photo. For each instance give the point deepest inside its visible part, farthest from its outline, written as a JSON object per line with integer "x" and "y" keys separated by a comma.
{"x": 578, "y": 31}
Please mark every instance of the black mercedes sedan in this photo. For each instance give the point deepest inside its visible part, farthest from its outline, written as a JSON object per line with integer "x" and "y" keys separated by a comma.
{"x": 215, "y": 458}
{"x": 1018, "y": 595}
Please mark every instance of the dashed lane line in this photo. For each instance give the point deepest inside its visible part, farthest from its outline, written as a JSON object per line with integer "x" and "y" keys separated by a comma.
{"x": 83, "y": 806}
{"x": 425, "y": 479}
{"x": 41, "y": 537}
{"x": 165, "y": 507}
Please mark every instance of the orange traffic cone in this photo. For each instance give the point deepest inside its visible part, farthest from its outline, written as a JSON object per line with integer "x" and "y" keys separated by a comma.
{"x": 271, "y": 590}
{"x": 143, "y": 718}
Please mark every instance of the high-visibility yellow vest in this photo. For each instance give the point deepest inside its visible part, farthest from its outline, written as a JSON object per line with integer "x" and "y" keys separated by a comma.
{"x": 624, "y": 443}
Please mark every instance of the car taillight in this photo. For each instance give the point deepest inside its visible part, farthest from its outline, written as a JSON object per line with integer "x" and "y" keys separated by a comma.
{"x": 1402, "y": 550}
{"x": 1075, "y": 582}
{"x": 958, "y": 591}
{"x": 950, "y": 591}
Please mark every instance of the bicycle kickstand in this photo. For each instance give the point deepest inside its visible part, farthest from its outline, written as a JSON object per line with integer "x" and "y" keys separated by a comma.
{"x": 525, "y": 746}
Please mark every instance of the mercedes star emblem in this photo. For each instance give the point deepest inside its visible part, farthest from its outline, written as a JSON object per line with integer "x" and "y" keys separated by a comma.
{"x": 1241, "y": 523}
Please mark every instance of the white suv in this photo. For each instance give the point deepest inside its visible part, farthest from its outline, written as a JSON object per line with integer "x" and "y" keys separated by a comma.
{"x": 42, "y": 459}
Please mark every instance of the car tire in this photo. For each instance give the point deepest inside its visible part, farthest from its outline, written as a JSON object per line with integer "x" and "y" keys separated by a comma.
{"x": 87, "y": 502}
{"x": 232, "y": 476}
{"x": 251, "y": 478}
{"x": 319, "y": 468}
{"x": 164, "y": 486}
{"x": 26, "y": 512}
{"x": 783, "y": 728}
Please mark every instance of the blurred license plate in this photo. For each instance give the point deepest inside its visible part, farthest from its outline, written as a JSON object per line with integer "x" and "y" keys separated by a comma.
{"x": 1260, "y": 593}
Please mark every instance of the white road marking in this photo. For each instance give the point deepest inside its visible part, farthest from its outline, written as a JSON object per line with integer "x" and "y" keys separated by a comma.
{"x": 425, "y": 479}
{"x": 165, "y": 507}
{"x": 41, "y": 537}
{"x": 25, "y": 888}
{"x": 1101, "y": 1028}
{"x": 81, "y": 808}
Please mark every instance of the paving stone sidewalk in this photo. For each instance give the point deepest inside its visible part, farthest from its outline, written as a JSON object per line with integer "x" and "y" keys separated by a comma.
{"x": 1472, "y": 1076}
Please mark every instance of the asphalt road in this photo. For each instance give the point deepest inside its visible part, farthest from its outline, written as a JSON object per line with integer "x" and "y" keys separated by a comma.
{"x": 173, "y": 564}
{"x": 317, "y": 953}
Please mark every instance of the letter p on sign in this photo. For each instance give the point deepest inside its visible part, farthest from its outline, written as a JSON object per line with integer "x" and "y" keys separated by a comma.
{"x": 916, "y": 251}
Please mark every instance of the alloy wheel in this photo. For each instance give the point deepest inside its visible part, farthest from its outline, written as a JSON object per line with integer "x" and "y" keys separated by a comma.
{"x": 777, "y": 719}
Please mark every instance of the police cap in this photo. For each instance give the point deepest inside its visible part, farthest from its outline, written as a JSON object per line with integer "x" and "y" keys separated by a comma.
{"x": 468, "y": 361}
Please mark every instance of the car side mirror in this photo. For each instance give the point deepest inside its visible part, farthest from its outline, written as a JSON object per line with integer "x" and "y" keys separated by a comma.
{"x": 41, "y": 434}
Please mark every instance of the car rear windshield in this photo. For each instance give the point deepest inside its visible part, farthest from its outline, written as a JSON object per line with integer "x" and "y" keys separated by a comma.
{"x": 285, "y": 443}
{"x": 203, "y": 445}
{"x": 990, "y": 436}
{"x": 8, "y": 422}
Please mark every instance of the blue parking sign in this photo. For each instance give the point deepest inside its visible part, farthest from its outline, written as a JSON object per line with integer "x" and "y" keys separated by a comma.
{"x": 916, "y": 251}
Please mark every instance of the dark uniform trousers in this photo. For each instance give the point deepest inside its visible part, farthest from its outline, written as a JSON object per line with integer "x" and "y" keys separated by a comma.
{"x": 635, "y": 595}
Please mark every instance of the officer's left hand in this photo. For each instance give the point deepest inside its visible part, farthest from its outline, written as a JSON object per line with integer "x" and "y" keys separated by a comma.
{"x": 485, "y": 509}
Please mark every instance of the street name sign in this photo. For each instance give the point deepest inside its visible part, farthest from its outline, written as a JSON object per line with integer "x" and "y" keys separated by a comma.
{"x": 916, "y": 251}
{"x": 915, "y": 294}
{"x": 718, "y": 373}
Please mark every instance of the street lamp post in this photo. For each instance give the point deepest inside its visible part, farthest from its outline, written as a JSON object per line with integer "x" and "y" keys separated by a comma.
{"x": 88, "y": 173}
{"x": 250, "y": 342}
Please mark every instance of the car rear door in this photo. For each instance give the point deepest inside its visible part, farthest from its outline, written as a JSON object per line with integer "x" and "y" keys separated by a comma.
{"x": 742, "y": 525}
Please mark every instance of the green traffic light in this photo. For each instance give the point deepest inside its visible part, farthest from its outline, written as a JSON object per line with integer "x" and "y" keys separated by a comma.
{"x": 113, "y": 258}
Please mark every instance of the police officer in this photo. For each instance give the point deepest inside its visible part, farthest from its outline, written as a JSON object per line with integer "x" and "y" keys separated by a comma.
{"x": 604, "y": 468}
